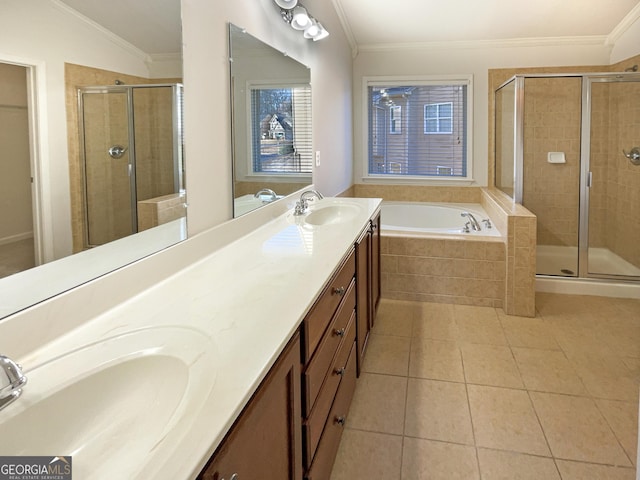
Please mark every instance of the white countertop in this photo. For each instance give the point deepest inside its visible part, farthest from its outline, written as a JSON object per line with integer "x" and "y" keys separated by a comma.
{"x": 248, "y": 298}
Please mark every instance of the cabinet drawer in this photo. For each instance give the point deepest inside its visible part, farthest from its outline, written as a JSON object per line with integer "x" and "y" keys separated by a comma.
{"x": 315, "y": 323}
{"x": 330, "y": 440}
{"x": 316, "y": 420}
{"x": 317, "y": 369}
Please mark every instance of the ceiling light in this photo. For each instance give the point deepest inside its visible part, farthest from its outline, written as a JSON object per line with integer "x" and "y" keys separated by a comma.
{"x": 299, "y": 18}
{"x": 286, "y": 4}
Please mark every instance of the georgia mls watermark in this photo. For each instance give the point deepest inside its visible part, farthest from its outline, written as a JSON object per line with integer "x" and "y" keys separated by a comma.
{"x": 35, "y": 468}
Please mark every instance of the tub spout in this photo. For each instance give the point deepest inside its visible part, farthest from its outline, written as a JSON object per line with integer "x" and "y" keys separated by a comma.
{"x": 474, "y": 223}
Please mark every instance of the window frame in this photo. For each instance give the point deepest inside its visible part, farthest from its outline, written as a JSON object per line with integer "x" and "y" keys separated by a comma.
{"x": 395, "y": 124}
{"x": 419, "y": 80}
{"x": 438, "y": 119}
{"x": 250, "y": 174}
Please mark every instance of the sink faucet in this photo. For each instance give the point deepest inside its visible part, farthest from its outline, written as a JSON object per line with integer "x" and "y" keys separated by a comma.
{"x": 266, "y": 191}
{"x": 474, "y": 223}
{"x": 303, "y": 203}
{"x": 11, "y": 381}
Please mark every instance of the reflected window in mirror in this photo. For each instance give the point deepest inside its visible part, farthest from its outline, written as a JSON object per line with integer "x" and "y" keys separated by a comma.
{"x": 281, "y": 130}
{"x": 272, "y": 146}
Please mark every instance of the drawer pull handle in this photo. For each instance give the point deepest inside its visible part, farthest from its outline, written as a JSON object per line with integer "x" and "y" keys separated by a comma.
{"x": 341, "y": 420}
{"x": 340, "y": 332}
{"x": 338, "y": 291}
{"x": 339, "y": 371}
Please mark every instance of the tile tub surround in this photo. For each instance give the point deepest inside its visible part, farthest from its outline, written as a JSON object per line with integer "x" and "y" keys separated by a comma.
{"x": 198, "y": 286}
{"x": 490, "y": 278}
{"x": 527, "y": 399}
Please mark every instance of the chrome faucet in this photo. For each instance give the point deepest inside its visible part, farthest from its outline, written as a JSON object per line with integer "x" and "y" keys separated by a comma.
{"x": 266, "y": 191}
{"x": 474, "y": 223}
{"x": 11, "y": 381}
{"x": 303, "y": 204}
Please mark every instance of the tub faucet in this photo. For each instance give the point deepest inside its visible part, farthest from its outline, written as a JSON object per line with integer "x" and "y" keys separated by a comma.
{"x": 303, "y": 204}
{"x": 267, "y": 191}
{"x": 474, "y": 223}
{"x": 11, "y": 381}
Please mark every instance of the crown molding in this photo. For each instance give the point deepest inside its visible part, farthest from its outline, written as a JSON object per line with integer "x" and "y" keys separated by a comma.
{"x": 119, "y": 41}
{"x": 629, "y": 19}
{"x": 346, "y": 27}
{"x": 599, "y": 40}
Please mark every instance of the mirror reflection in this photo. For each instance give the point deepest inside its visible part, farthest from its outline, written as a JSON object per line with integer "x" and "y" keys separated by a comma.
{"x": 91, "y": 135}
{"x": 271, "y": 122}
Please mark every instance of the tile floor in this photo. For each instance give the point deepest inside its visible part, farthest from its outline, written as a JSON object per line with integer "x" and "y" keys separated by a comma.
{"x": 460, "y": 392}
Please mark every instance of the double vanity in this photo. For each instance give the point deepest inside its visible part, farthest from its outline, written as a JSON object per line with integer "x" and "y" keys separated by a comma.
{"x": 240, "y": 365}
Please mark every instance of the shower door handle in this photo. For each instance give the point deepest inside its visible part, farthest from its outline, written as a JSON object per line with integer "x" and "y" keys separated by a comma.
{"x": 589, "y": 179}
{"x": 129, "y": 168}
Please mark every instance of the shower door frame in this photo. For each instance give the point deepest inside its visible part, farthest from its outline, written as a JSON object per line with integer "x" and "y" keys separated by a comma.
{"x": 585, "y": 157}
{"x": 588, "y": 79}
{"x": 178, "y": 161}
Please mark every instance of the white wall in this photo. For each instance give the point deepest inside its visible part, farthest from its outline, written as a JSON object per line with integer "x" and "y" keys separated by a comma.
{"x": 477, "y": 60}
{"x": 207, "y": 109}
{"x": 38, "y": 32}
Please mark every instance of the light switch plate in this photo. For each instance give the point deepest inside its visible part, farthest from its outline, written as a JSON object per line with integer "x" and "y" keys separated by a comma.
{"x": 318, "y": 158}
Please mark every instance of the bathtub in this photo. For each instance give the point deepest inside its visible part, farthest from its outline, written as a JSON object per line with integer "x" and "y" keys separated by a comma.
{"x": 418, "y": 218}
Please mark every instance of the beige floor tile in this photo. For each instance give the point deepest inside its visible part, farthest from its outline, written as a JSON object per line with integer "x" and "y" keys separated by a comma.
{"x": 547, "y": 371}
{"x": 387, "y": 354}
{"x": 436, "y": 326}
{"x": 429, "y": 460}
{"x": 395, "y": 317}
{"x": 490, "y": 365}
{"x": 438, "y": 411}
{"x": 378, "y": 404}
{"x": 622, "y": 338}
{"x": 575, "y": 341}
{"x": 479, "y": 325}
{"x": 623, "y": 419}
{"x": 576, "y": 430}
{"x": 367, "y": 455}
{"x": 499, "y": 465}
{"x": 504, "y": 419}
{"x": 590, "y": 471}
{"x": 435, "y": 359}
{"x": 633, "y": 365}
{"x": 528, "y": 332}
{"x": 605, "y": 376}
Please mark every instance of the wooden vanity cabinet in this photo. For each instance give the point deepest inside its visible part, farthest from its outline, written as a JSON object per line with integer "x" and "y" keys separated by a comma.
{"x": 266, "y": 441}
{"x": 329, "y": 370}
{"x": 367, "y": 249}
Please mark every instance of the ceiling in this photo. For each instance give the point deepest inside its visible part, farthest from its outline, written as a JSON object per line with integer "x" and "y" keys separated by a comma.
{"x": 154, "y": 25}
{"x": 383, "y": 22}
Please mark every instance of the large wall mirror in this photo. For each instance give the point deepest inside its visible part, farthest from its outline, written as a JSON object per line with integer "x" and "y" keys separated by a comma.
{"x": 91, "y": 136}
{"x": 271, "y": 122}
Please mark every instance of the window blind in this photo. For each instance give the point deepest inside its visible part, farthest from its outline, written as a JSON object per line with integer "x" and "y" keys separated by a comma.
{"x": 281, "y": 137}
{"x": 431, "y": 138}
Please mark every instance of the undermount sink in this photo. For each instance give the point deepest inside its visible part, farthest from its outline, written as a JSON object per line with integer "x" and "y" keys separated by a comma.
{"x": 332, "y": 214}
{"x": 93, "y": 402}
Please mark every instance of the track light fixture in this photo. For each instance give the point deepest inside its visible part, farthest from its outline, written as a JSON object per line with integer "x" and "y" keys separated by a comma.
{"x": 299, "y": 18}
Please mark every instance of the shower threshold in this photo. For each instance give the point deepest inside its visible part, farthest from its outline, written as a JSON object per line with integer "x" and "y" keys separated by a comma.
{"x": 553, "y": 260}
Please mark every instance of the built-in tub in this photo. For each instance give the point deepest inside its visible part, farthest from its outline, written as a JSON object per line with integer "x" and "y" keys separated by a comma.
{"x": 427, "y": 256}
{"x": 433, "y": 218}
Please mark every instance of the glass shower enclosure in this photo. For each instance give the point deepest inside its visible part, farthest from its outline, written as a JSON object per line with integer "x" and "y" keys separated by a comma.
{"x": 131, "y": 149}
{"x": 565, "y": 149}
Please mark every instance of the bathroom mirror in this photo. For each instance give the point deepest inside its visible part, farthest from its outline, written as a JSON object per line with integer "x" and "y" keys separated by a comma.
{"x": 148, "y": 42}
{"x": 271, "y": 122}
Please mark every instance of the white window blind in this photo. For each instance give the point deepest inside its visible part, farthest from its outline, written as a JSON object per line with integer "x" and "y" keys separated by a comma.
{"x": 432, "y": 136}
{"x": 281, "y": 141}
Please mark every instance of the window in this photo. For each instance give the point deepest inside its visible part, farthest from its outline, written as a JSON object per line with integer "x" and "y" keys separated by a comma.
{"x": 281, "y": 130}
{"x": 395, "y": 115}
{"x": 438, "y": 118}
{"x": 418, "y": 129}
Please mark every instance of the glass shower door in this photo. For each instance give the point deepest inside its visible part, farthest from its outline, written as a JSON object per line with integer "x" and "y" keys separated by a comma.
{"x": 108, "y": 169}
{"x": 613, "y": 179}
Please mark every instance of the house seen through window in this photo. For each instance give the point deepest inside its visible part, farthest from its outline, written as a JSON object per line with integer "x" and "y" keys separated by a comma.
{"x": 281, "y": 130}
{"x": 418, "y": 130}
